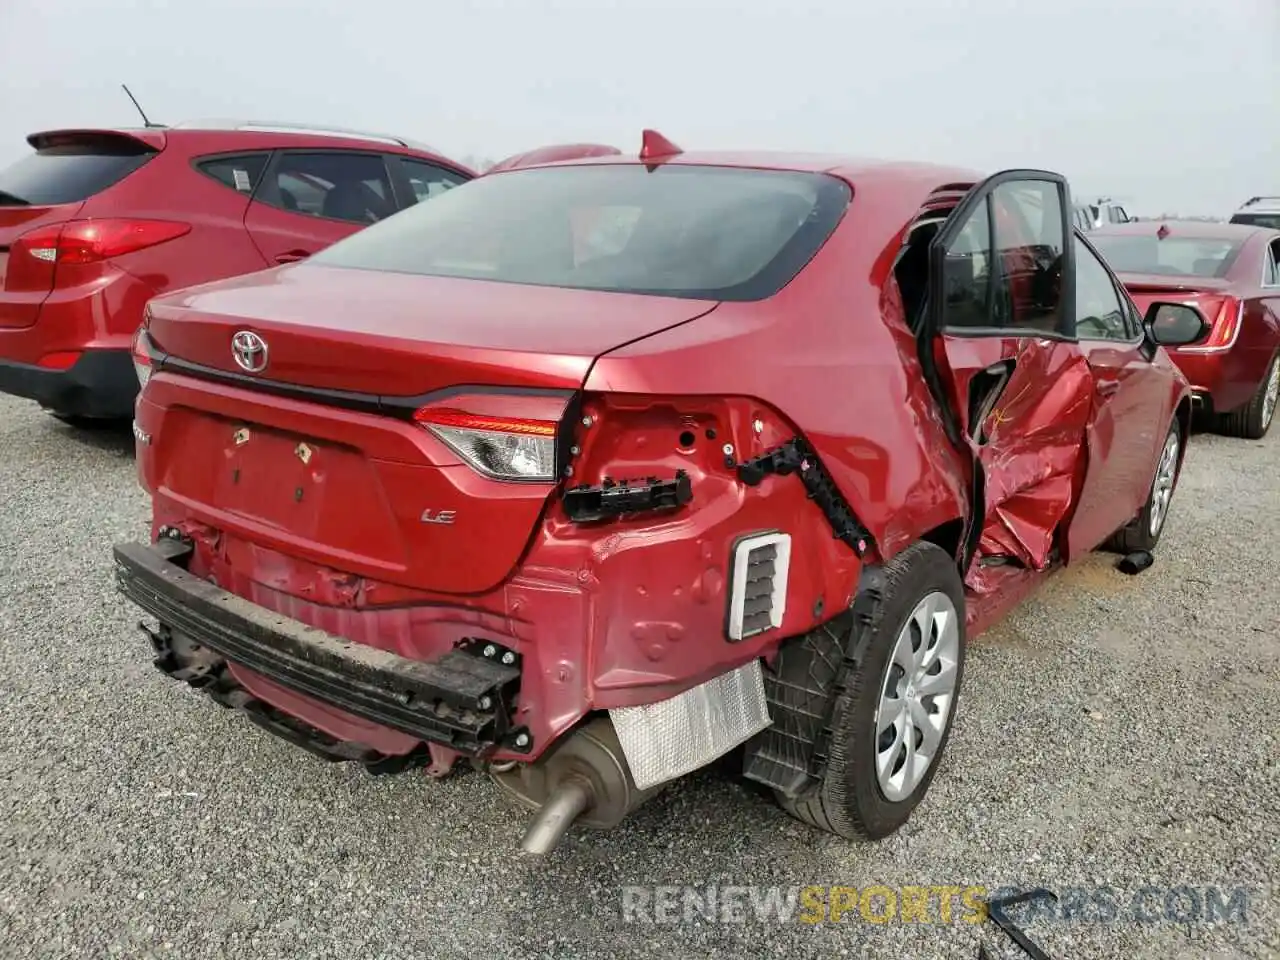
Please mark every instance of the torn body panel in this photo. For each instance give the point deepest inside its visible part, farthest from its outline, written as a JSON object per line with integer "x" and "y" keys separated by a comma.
{"x": 1027, "y": 404}
{"x": 609, "y": 612}
{"x": 853, "y": 390}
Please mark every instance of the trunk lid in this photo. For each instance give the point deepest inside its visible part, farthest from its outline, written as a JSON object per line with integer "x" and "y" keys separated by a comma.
{"x": 1155, "y": 284}
{"x": 303, "y": 487}
{"x": 1207, "y": 293}
{"x": 336, "y": 328}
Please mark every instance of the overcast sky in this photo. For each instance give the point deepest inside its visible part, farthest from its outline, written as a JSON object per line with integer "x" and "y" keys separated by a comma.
{"x": 1170, "y": 104}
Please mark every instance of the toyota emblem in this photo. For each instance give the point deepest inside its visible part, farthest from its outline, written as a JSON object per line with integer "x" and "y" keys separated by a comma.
{"x": 250, "y": 351}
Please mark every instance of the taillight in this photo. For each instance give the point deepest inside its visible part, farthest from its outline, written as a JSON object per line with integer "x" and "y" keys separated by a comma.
{"x": 31, "y": 259}
{"x": 502, "y": 447}
{"x": 141, "y": 351}
{"x": 87, "y": 241}
{"x": 1225, "y": 328}
{"x": 34, "y": 256}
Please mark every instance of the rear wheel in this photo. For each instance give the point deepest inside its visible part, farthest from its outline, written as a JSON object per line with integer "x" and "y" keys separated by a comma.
{"x": 893, "y": 716}
{"x": 84, "y": 423}
{"x": 1143, "y": 532}
{"x": 1254, "y": 419}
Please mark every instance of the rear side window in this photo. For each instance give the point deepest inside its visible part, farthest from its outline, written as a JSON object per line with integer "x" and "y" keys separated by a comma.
{"x": 426, "y": 180}
{"x": 681, "y": 231}
{"x": 241, "y": 173}
{"x": 1206, "y": 257}
{"x": 72, "y": 171}
{"x": 336, "y": 185}
{"x": 1269, "y": 220}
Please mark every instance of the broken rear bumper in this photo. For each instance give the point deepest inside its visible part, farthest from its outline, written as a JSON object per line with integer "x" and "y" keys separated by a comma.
{"x": 462, "y": 700}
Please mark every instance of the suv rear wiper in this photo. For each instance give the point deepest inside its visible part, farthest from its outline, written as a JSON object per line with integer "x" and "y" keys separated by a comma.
{"x": 13, "y": 200}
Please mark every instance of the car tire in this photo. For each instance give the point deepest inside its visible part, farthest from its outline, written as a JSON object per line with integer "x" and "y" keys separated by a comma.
{"x": 1252, "y": 420}
{"x": 851, "y": 799}
{"x": 1143, "y": 531}
{"x": 82, "y": 422}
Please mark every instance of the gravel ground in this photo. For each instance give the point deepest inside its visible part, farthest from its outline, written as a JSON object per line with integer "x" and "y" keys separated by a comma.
{"x": 1117, "y": 731}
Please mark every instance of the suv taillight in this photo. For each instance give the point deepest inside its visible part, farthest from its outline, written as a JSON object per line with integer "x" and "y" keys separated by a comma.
{"x": 35, "y": 256}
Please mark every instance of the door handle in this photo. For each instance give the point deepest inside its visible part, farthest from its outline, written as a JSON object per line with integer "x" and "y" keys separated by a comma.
{"x": 292, "y": 256}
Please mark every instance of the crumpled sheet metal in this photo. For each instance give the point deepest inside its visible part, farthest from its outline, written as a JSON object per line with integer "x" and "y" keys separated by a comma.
{"x": 1034, "y": 453}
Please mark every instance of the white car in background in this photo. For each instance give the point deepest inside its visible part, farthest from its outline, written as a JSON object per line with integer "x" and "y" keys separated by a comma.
{"x": 1259, "y": 212}
{"x": 1104, "y": 210}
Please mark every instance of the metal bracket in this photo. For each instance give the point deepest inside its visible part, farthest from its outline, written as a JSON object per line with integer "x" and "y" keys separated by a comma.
{"x": 995, "y": 910}
{"x": 796, "y": 456}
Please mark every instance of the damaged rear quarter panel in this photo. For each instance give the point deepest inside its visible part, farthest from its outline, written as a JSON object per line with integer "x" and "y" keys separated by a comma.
{"x": 832, "y": 354}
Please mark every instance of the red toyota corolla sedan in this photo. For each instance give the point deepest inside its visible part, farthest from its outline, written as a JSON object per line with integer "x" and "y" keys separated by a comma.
{"x": 591, "y": 472}
{"x": 1229, "y": 272}
{"x": 94, "y": 223}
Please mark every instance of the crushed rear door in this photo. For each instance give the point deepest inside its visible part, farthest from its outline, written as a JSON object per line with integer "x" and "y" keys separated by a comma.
{"x": 1018, "y": 394}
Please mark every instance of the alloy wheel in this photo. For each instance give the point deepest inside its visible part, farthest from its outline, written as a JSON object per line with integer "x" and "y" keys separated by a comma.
{"x": 1162, "y": 487}
{"x": 916, "y": 696}
{"x": 1270, "y": 398}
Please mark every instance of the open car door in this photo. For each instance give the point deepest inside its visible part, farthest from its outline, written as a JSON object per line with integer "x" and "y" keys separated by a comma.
{"x": 998, "y": 345}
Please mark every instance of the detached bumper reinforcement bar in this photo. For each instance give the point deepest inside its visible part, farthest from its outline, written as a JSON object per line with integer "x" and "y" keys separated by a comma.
{"x": 461, "y": 700}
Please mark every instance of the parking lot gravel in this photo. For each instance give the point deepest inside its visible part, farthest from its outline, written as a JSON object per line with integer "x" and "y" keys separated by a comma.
{"x": 1118, "y": 732}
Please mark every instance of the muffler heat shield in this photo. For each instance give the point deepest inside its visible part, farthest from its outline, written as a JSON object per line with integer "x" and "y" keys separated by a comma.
{"x": 670, "y": 738}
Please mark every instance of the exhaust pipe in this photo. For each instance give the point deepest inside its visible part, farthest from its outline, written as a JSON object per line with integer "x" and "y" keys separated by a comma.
{"x": 583, "y": 779}
{"x": 571, "y": 799}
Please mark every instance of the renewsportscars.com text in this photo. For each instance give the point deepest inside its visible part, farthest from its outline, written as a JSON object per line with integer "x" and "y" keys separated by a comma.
{"x": 938, "y": 903}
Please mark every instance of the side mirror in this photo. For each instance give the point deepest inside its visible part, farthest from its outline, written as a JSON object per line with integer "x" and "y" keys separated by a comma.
{"x": 1175, "y": 324}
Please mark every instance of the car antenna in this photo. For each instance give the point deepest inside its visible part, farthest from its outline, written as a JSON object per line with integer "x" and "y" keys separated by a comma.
{"x": 654, "y": 145}
{"x": 145, "y": 121}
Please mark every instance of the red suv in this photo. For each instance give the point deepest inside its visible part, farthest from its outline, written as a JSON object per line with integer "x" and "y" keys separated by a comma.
{"x": 94, "y": 223}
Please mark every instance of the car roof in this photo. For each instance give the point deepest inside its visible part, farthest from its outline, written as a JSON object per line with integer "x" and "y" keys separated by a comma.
{"x": 1199, "y": 229}
{"x": 846, "y": 166}
{"x": 1260, "y": 205}
{"x": 248, "y": 135}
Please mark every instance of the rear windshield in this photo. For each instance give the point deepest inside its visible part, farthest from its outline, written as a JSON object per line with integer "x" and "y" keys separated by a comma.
{"x": 1173, "y": 256}
{"x": 70, "y": 172}
{"x": 682, "y": 231}
{"x": 1269, "y": 220}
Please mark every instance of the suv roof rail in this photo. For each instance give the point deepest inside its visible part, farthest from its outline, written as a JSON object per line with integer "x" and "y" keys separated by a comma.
{"x": 285, "y": 126}
{"x": 1252, "y": 200}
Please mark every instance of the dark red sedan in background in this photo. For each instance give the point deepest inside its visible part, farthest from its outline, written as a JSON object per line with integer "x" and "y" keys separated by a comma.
{"x": 1232, "y": 273}
{"x": 94, "y": 223}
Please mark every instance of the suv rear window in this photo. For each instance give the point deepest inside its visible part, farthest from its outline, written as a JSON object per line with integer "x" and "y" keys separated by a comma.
{"x": 682, "y": 231}
{"x": 1173, "y": 256}
{"x": 71, "y": 172}
{"x": 1269, "y": 220}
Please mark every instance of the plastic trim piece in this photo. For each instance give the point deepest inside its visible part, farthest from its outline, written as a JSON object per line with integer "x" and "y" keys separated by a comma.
{"x": 796, "y": 456}
{"x": 739, "y": 569}
{"x": 587, "y": 504}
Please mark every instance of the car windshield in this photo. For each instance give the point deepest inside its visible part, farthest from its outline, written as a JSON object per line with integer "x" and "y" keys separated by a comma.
{"x": 677, "y": 230}
{"x": 1207, "y": 257}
